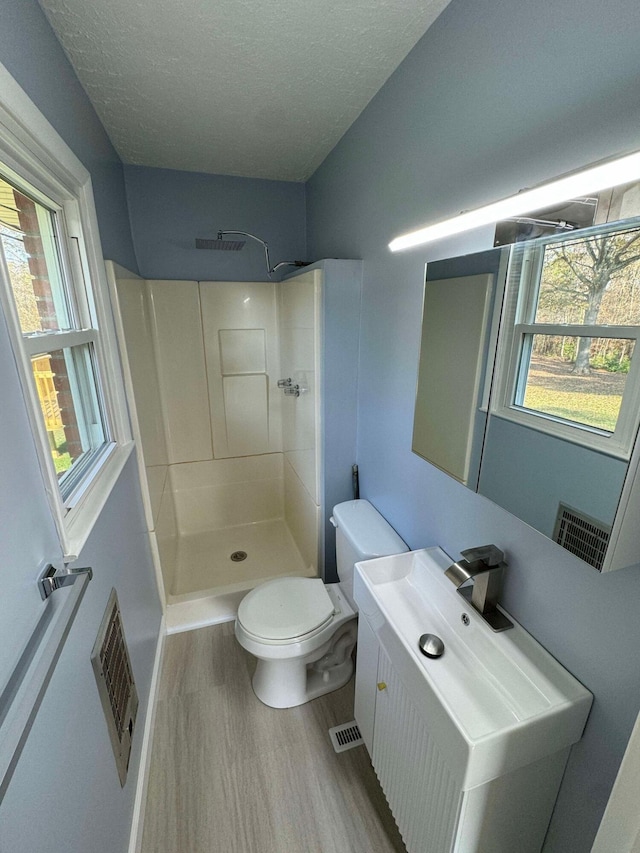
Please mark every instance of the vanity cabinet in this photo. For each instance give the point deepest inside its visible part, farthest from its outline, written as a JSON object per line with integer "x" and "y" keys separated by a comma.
{"x": 423, "y": 769}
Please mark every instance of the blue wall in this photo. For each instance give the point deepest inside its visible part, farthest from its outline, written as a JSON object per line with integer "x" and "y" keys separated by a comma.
{"x": 530, "y": 473}
{"x": 169, "y": 209}
{"x": 31, "y": 53}
{"x": 497, "y": 96}
{"x": 67, "y": 759}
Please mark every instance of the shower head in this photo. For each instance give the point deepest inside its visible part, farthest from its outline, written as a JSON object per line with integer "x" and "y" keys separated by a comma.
{"x": 220, "y": 244}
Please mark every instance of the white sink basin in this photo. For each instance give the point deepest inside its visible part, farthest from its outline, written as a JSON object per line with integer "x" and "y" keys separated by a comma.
{"x": 498, "y": 701}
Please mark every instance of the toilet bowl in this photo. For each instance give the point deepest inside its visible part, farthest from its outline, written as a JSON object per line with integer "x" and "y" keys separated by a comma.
{"x": 303, "y": 632}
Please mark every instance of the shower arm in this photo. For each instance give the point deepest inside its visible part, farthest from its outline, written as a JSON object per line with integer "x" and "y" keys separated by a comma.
{"x": 270, "y": 269}
{"x": 530, "y": 220}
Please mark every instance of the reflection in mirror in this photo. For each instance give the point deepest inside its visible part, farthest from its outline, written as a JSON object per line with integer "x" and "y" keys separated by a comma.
{"x": 559, "y": 219}
{"x": 549, "y": 433}
{"x": 462, "y": 300}
{"x": 564, "y": 412}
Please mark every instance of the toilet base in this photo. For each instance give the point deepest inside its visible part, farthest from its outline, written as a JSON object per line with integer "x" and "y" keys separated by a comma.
{"x": 293, "y": 672}
{"x": 289, "y": 683}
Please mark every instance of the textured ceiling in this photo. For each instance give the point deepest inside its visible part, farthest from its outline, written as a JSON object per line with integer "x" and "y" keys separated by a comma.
{"x": 259, "y": 88}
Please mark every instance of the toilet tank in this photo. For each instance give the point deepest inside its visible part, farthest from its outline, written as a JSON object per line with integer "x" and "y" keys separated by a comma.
{"x": 361, "y": 534}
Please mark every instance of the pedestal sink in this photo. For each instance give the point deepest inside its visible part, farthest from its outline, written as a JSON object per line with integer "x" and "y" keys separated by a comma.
{"x": 493, "y": 716}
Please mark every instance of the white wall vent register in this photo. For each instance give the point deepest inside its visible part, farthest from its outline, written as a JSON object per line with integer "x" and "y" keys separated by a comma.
{"x": 117, "y": 689}
{"x": 584, "y": 536}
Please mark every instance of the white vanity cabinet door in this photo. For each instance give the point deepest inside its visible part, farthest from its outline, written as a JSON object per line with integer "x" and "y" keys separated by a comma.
{"x": 366, "y": 681}
{"x": 422, "y": 793}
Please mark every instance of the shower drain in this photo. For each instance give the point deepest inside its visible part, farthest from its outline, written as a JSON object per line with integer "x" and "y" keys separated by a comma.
{"x": 238, "y": 556}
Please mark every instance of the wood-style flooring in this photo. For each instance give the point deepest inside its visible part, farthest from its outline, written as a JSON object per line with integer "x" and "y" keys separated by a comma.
{"x": 230, "y": 774}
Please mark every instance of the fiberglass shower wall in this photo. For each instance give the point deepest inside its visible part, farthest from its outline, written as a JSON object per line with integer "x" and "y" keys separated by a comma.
{"x": 203, "y": 359}
{"x": 300, "y": 339}
{"x": 132, "y": 315}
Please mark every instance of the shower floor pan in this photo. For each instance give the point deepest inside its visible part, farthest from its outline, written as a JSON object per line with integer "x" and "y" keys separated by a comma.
{"x": 204, "y": 566}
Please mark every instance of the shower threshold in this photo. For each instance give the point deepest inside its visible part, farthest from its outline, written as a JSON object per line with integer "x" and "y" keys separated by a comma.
{"x": 210, "y": 580}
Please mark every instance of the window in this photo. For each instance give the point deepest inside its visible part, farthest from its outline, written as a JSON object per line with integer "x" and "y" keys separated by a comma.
{"x": 572, "y": 322}
{"x": 53, "y": 292}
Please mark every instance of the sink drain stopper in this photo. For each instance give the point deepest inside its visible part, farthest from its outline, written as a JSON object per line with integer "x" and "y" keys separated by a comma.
{"x": 239, "y": 556}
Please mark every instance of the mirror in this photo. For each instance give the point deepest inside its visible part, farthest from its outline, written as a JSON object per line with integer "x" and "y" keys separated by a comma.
{"x": 461, "y": 310}
{"x": 528, "y": 391}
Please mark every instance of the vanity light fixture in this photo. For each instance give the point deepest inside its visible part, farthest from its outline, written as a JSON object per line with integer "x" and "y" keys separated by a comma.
{"x": 587, "y": 181}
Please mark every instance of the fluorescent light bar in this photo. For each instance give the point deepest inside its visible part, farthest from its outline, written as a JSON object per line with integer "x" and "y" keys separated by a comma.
{"x": 591, "y": 180}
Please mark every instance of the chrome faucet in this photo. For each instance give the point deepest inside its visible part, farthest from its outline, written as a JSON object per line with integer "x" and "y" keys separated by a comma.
{"x": 484, "y": 565}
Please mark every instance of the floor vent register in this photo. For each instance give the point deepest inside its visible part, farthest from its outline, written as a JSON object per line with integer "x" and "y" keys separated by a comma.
{"x": 345, "y": 736}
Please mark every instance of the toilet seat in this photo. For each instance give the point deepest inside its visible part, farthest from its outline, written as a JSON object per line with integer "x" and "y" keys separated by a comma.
{"x": 286, "y": 609}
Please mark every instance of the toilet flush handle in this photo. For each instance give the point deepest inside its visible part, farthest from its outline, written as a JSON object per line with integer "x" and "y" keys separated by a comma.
{"x": 333, "y": 521}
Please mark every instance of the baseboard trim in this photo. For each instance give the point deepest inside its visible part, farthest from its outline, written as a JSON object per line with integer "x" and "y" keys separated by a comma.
{"x": 137, "y": 823}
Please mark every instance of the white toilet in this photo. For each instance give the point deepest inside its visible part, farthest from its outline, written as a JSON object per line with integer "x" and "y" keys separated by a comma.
{"x": 302, "y": 631}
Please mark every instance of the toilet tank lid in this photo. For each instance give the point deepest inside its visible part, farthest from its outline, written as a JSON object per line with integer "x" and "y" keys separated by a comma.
{"x": 366, "y": 530}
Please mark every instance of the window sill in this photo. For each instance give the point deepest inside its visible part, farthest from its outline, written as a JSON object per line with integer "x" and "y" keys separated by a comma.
{"x": 80, "y": 521}
{"x": 582, "y": 436}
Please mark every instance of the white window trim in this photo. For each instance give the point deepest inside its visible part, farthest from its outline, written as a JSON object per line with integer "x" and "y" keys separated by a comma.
{"x": 519, "y": 299}
{"x": 33, "y": 149}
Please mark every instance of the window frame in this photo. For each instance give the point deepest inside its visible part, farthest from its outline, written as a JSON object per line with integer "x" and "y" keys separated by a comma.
{"x": 36, "y": 157}
{"x": 518, "y": 324}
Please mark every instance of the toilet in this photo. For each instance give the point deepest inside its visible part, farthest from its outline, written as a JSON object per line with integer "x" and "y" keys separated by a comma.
{"x": 302, "y": 631}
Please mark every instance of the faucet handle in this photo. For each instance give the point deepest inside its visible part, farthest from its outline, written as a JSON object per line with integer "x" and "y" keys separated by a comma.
{"x": 489, "y": 554}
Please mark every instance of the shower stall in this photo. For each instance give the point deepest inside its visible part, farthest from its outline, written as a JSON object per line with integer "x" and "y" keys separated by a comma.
{"x": 242, "y": 398}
